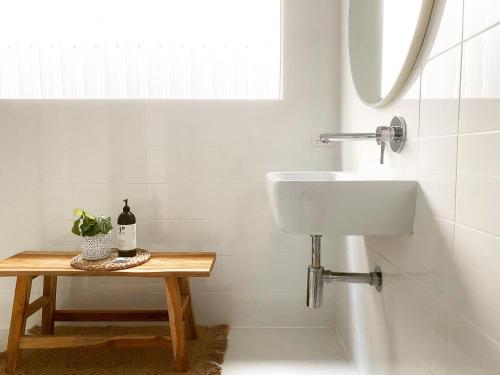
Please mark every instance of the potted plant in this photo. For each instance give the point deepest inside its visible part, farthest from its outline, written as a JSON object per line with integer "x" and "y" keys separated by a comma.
{"x": 94, "y": 230}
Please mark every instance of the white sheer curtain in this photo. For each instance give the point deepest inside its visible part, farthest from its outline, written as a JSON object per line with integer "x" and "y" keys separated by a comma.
{"x": 179, "y": 49}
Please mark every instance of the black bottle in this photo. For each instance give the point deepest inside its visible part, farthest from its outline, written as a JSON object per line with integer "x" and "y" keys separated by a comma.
{"x": 127, "y": 239}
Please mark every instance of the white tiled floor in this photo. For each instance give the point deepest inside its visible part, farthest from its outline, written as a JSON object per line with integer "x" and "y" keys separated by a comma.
{"x": 262, "y": 351}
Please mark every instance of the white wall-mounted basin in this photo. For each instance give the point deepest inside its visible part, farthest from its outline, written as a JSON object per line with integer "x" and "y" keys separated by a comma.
{"x": 341, "y": 203}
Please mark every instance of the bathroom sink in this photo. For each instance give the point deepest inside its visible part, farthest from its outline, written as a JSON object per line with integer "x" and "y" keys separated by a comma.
{"x": 341, "y": 203}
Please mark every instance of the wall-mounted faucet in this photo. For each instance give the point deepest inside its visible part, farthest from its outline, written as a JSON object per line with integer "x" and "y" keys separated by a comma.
{"x": 394, "y": 134}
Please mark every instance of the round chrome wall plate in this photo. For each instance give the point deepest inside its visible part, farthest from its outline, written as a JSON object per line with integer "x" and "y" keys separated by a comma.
{"x": 398, "y": 130}
{"x": 380, "y": 281}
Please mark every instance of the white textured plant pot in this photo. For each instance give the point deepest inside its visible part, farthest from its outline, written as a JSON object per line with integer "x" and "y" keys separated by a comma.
{"x": 96, "y": 247}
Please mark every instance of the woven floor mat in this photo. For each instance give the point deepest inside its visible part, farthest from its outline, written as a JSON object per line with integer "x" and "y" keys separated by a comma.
{"x": 205, "y": 355}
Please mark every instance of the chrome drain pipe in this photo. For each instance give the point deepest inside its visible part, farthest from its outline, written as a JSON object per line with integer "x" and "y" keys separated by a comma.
{"x": 317, "y": 276}
{"x": 371, "y": 278}
{"x": 314, "y": 287}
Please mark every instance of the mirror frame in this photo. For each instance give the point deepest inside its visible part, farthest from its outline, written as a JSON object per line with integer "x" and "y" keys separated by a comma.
{"x": 410, "y": 60}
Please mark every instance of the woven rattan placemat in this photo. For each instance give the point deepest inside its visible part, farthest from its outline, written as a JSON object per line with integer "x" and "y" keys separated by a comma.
{"x": 113, "y": 263}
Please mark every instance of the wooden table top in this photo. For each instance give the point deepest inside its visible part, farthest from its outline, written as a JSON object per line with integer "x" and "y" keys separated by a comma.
{"x": 57, "y": 263}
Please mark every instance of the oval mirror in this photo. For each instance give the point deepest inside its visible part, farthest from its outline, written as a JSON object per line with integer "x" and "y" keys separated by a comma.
{"x": 385, "y": 37}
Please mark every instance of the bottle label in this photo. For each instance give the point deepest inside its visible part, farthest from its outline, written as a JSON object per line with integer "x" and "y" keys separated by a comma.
{"x": 127, "y": 237}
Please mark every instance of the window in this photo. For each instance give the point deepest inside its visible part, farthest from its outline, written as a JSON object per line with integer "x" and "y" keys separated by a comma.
{"x": 175, "y": 49}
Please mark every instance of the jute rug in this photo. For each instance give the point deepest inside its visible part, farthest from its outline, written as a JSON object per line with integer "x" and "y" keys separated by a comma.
{"x": 205, "y": 355}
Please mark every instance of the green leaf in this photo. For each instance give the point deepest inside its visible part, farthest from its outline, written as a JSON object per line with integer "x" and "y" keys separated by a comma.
{"x": 76, "y": 227}
{"x": 93, "y": 229}
{"x": 87, "y": 226}
{"x": 104, "y": 224}
{"x": 89, "y": 215}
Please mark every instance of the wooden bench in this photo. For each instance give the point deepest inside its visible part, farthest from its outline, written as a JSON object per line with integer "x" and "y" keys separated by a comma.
{"x": 173, "y": 268}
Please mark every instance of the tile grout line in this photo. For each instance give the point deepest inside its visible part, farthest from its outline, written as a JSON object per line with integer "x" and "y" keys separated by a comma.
{"x": 485, "y": 132}
{"x": 464, "y": 134}
{"x": 450, "y": 286}
{"x": 469, "y": 227}
{"x": 469, "y": 38}
{"x": 488, "y": 28}
{"x": 479, "y": 329}
{"x": 344, "y": 346}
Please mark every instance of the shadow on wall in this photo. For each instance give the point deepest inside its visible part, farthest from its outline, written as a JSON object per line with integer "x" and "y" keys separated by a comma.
{"x": 412, "y": 314}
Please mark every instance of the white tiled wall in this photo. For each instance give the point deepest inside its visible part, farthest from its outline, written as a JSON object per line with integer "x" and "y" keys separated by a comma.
{"x": 439, "y": 310}
{"x": 194, "y": 172}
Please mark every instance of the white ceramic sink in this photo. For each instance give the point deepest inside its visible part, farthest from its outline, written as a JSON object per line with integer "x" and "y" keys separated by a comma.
{"x": 341, "y": 203}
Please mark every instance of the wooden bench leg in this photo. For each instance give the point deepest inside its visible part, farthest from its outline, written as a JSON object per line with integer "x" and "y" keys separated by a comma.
{"x": 176, "y": 324}
{"x": 49, "y": 291}
{"x": 189, "y": 322}
{"x": 17, "y": 321}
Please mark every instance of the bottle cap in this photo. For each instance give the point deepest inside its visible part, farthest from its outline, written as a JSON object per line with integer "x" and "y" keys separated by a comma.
{"x": 126, "y": 208}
